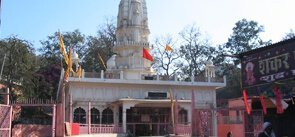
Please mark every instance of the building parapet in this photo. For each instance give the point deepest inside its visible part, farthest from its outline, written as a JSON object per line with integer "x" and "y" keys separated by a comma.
{"x": 128, "y": 43}
{"x": 94, "y": 76}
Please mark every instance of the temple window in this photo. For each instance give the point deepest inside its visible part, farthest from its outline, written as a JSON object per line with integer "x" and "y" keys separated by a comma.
{"x": 182, "y": 116}
{"x": 107, "y": 116}
{"x": 80, "y": 115}
{"x": 95, "y": 116}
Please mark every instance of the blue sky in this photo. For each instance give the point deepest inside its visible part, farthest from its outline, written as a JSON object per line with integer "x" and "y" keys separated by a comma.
{"x": 34, "y": 20}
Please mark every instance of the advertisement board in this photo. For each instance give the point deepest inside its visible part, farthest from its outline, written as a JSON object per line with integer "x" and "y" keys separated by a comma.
{"x": 268, "y": 64}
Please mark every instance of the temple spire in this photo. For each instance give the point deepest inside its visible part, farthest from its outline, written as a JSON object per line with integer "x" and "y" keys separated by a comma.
{"x": 132, "y": 21}
{"x": 131, "y": 38}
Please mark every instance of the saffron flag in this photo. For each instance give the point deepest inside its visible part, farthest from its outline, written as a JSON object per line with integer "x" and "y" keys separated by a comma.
{"x": 146, "y": 54}
{"x": 172, "y": 106}
{"x": 168, "y": 48}
{"x": 102, "y": 62}
{"x": 80, "y": 72}
{"x": 246, "y": 102}
{"x": 62, "y": 49}
{"x": 277, "y": 93}
{"x": 263, "y": 104}
{"x": 69, "y": 67}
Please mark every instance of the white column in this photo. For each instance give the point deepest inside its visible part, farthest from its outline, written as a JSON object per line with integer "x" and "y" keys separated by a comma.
{"x": 121, "y": 75}
{"x": 116, "y": 115}
{"x": 189, "y": 112}
{"x": 126, "y": 105}
{"x": 102, "y": 74}
{"x": 83, "y": 74}
{"x": 100, "y": 119}
{"x": 214, "y": 115}
{"x": 124, "y": 118}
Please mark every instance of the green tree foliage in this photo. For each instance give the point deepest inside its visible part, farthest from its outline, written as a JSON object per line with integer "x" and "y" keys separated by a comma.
{"x": 20, "y": 64}
{"x": 245, "y": 37}
{"x": 101, "y": 45}
{"x": 166, "y": 61}
{"x": 195, "y": 50}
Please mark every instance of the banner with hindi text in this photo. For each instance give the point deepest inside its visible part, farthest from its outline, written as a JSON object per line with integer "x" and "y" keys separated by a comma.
{"x": 268, "y": 64}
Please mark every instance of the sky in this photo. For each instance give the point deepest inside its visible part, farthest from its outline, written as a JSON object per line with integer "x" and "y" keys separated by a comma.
{"x": 34, "y": 20}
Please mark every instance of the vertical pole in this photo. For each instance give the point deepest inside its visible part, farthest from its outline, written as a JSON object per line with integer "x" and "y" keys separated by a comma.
{"x": 214, "y": 116}
{"x": 100, "y": 121}
{"x": 89, "y": 117}
{"x": 71, "y": 112}
{"x": 63, "y": 108}
{"x": 10, "y": 121}
{"x": 71, "y": 108}
{"x": 6, "y": 98}
{"x": 53, "y": 120}
{"x": 124, "y": 118}
{"x": 193, "y": 111}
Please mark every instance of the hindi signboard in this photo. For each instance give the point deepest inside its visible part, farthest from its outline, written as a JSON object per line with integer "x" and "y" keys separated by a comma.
{"x": 268, "y": 64}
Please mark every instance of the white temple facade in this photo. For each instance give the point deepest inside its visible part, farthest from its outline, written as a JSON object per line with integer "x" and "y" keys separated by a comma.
{"x": 130, "y": 98}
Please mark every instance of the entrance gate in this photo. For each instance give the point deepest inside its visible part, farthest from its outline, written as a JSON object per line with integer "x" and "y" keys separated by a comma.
{"x": 5, "y": 120}
{"x": 32, "y": 129}
{"x": 144, "y": 121}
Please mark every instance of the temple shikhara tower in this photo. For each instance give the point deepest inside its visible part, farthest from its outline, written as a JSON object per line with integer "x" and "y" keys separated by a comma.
{"x": 129, "y": 97}
{"x": 132, "y": 36}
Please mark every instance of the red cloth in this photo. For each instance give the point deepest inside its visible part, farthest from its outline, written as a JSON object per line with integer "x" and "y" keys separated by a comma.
{"x": 75, "y": 128}
{"x": 246, "y": 102}
{"x": 146, "y": 54}
{"x": 277, "y": 93}
{"x": 263, "y": 104}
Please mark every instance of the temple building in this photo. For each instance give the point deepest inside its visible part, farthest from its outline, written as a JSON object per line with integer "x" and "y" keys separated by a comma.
{"x": 129, "y": 97}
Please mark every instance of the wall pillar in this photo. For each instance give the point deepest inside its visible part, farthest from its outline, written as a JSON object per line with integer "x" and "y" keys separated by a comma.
{"x": 71, "y": 109}
{"x": 124, "y": 119}
{"x": 100, "y": 119}
{"x": 126, "y": 105}
{"x": 116, "y": 115}
{"x": 89, "y": 118}
{"x": 53, "y": 120}
{"x": 214, "y": 115}
{"x": 188, "y": 108}
{"x": 6, "y": 96}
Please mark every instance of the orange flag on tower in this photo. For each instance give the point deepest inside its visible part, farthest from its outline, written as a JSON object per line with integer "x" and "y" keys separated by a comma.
{"x": 168, "y": 48}
{"x": 146, "y": 54}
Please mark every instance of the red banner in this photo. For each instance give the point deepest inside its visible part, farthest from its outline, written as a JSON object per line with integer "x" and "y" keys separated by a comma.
{"x": 246, "y": 102}
{"x": 263, "y": 104}
{"x": 277, "y": 93}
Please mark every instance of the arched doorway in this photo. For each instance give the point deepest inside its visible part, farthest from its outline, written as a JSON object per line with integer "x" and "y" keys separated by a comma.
{"x": 107, "y": 116}
{"x": 80, "y": 115}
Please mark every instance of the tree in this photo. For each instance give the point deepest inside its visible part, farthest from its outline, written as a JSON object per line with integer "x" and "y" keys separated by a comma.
{"x": 195, "y": 50}
{"x": 50, "y": 52}
{"x": 19, "y": 66}
{"x": 245, "y": 37}
{"x": 166, "y": 61}
{"x": 289, "y": 35}
{"x": 100, "y": 45}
